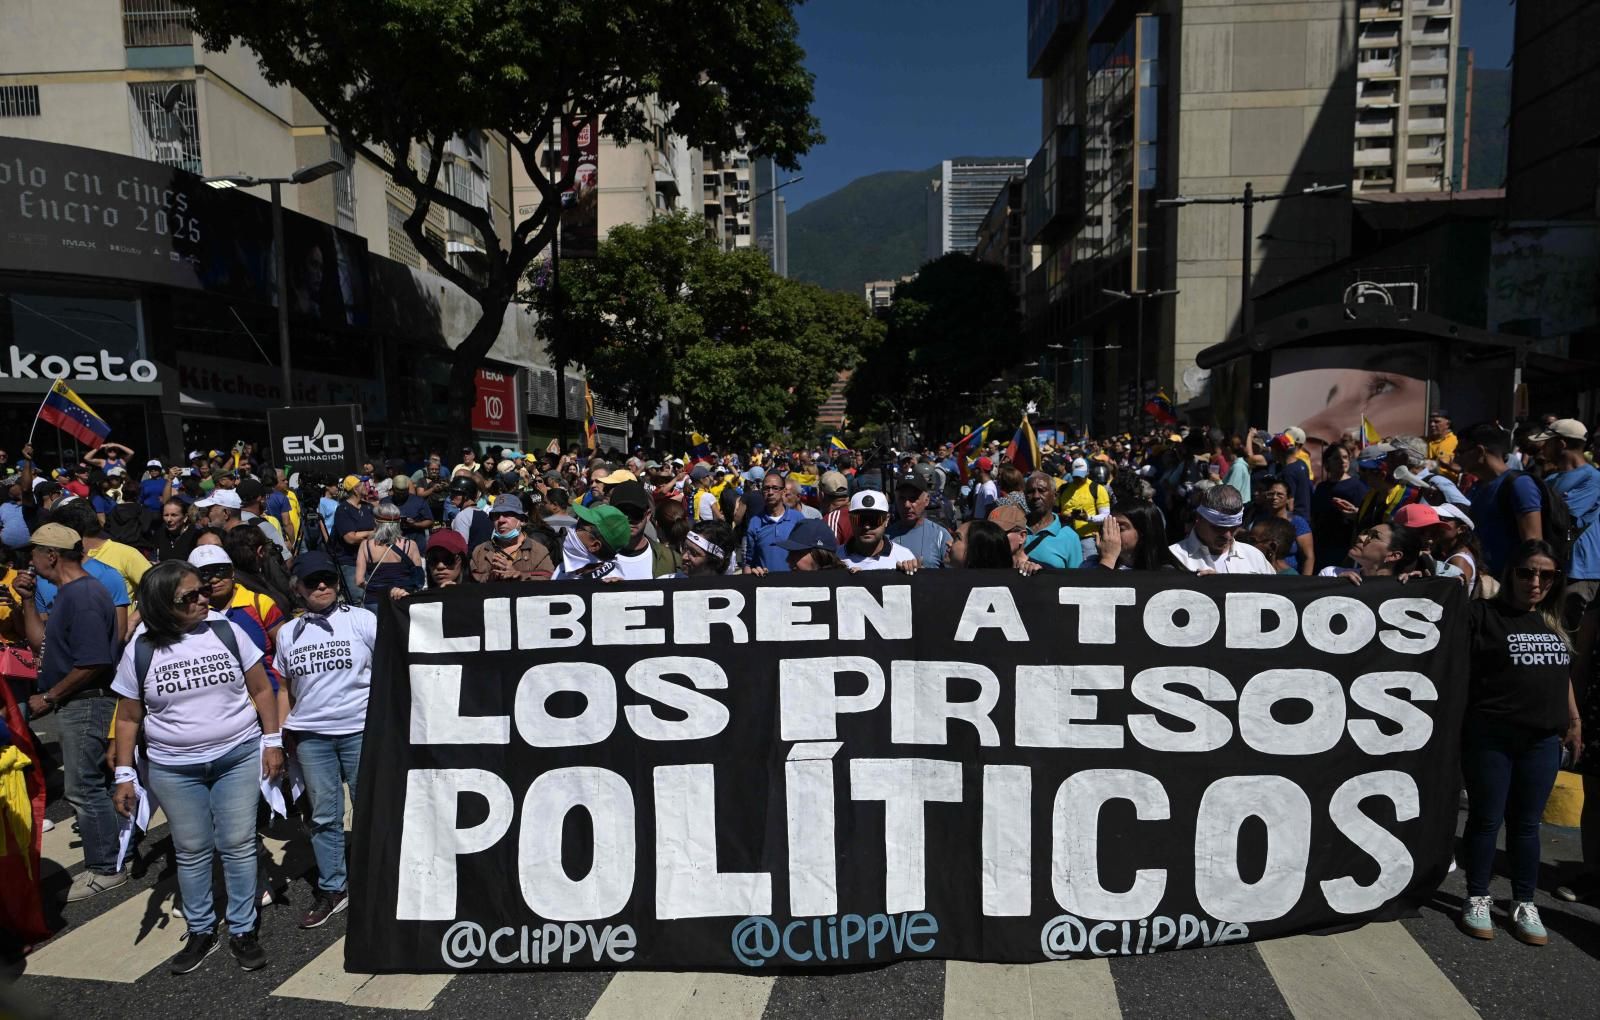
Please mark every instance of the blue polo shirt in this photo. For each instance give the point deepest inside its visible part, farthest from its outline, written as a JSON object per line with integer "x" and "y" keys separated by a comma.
{"x": 1054, "y": 546}
{"x": 928, "y": 540}
{"x": 761, "y": 540}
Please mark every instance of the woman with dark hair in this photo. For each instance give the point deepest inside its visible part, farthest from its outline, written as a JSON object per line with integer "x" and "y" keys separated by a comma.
{"x": 1383, "y": 550}
{"x": 1520, "y": 710}
{"x": 447, "y": 563}
{"x": 176, "y": 534}
{"x": 707, "y": 547}
{"x": 1133, "y": 537}
{"x": 981, "y": 545}
{"x": 199, "y": 686}
{"x": 259, "y": 567}
{"x": 671, "y": 519}
{"x": 208, "y": 535}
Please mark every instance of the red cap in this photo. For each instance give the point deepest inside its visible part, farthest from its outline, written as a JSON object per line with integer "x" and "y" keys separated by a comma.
{"x": 448, "y": 541}
{"x": 1416, "y": 515}
{"x": 985, "y": 464}
{"x": 1282, "y": 442}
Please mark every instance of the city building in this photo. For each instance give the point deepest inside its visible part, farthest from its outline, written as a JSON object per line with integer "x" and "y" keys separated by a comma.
{"x": 1000, "y": 239}
{"x": 124, "y": 95}
{"x": 880, "y": 294}
{"x": 1407, "y": 97}
{"x": 769, "y": 214}
{"x": 1145, "y": 100}
{"x": 726, "y": 198}
{"x": 960, "y": 198}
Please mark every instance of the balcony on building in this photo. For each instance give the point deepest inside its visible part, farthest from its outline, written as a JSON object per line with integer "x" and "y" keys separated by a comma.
{"x": 1375, "y": 124}
{"x": 1435, "y": 31}
{"x": 1435, "y": 8}
{"x": 1423, "y": 126}
{"x": 1050, "y": 27}
{"x": 1429, "y": 95}
{"x": 1378, "y": 67}
{"x": 1383, "y": 33}
{"x": 1374, "y": 157}
{"x": 1381, "y": 10}
{"x": 1430, "y": 153}
{"x": 1430, "y": 60}
{"x": 157, "y": 33}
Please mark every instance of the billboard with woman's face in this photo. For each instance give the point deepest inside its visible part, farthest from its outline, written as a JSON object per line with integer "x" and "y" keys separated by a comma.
{"x": 1327, "y": 391}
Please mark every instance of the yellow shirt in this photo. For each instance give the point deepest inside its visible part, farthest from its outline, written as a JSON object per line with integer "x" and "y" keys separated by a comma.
{"x": 11, "y": 629}
{"x": 1442, "y": 451}
{"x": 294, "y": 514}
{"x": 1087, "y": 495}
{"x": 125, "y": 560}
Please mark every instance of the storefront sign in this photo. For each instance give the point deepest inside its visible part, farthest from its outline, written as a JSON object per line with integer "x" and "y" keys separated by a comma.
{"x": 226, "y": 385}
{"x": 494, "y": 407}
{"x": 321, "y": 440}
{"x": 101, "y": 366}
{"x": 809, "y": 771}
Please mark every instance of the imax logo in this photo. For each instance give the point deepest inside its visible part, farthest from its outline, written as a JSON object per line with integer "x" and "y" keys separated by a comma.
{"x": 319, "y": 441}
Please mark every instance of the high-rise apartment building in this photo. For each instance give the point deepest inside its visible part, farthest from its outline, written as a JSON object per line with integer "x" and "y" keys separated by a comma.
{"x": 1159, "y": 99}
{"x": 1406, "y": 95}
{"x": 769, "y": 214}
{"x": 726, "y": 198}
{"x": 960, "y": 198}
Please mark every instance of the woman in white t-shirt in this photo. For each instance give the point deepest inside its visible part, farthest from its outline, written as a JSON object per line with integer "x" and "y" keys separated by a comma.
{"x": 200, "y": 687}
{"x": 325, "y": 661}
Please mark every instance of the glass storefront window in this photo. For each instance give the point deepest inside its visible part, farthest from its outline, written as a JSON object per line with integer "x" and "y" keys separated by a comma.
{"x": 69, "y": 325}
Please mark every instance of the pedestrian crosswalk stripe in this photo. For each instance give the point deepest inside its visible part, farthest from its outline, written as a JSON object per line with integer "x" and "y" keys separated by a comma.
{"x": 325, "y": 980}
{"x": 122, "y": 944}
{"x": 1030, "y": 991}
{"x": 666, "y": 996}
{"x": 1378, "y": 970}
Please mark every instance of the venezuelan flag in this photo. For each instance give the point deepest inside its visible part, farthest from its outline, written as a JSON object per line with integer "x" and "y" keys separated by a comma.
{"x": 837, "y": 443}
{"x": 967, "y": 447}
{"x": 591, "y": 434}
{"x": 699, "y": 447}
{"x": 1159, "y": 407}
{"x": 66, "y": 411}
{"x": 1023, "y": 450}
{"x": 1369, "y": 435}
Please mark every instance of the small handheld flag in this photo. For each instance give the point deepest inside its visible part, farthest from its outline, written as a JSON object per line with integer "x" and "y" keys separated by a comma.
{"x": 1159, "y": 407}
{"x": 1369, "y": 435}
{"x": 837, "y": 443}
{"x": 967, "y": 447}
{"x": 1023, "y": 451}
{"x": 591, "y": 434}
{"x": 699, "y": 447}
{"x": 66, "y": 411}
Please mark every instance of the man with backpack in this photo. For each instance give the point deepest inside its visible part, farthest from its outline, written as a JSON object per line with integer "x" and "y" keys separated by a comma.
{"x": 1577, "y": 483}
{"x": 1508, "y": 507}
{"x": 1083, "y": 503}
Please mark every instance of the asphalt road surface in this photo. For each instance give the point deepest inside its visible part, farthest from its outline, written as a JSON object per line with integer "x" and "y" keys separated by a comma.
{"x": 109, "y": 961}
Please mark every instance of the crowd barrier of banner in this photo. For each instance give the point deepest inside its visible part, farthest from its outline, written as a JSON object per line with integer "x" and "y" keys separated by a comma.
{"x": 792, "y": 773}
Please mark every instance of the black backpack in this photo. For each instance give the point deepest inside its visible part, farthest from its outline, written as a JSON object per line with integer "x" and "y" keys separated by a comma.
{"x": 1556, "y": 523}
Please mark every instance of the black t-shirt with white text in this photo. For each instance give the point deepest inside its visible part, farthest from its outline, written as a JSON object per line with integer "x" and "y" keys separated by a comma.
{"x": 1520, "y": 668}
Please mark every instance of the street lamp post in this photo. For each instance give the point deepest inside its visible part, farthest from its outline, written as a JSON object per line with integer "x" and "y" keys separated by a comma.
{"x": 1258, "y": 366}
{"x": 1055, "y": 385}
{"x": 304, "y": 175}
{"x": 1139, "y": 297}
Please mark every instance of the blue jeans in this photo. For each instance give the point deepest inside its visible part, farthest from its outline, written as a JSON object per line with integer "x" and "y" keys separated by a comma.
{"x": 211, "y": 806}
{"x": 84, "y": 725}
{"x": 329, "y": 762}
{"x": 1509, "y": 771}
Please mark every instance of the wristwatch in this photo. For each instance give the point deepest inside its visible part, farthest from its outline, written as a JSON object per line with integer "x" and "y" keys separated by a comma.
{"x": 48, "y": 700}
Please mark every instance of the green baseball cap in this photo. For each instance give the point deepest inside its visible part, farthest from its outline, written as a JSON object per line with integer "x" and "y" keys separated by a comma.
{"x": 611, "y": 523}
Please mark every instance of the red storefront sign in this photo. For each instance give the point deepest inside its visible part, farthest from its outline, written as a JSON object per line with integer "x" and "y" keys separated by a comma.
{"x": 494, "y": 406}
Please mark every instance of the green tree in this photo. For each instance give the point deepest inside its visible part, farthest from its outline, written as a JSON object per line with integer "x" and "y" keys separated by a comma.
{"x": 948, "y": 331}
{"x": 1007, "y": 408}
{"x": 663, "y": 311}
{"x": 389, "y": 73}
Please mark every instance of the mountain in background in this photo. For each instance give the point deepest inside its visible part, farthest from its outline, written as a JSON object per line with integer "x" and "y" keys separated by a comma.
{"x": 1491, "y": 114}
{"x": 874, "y": 228}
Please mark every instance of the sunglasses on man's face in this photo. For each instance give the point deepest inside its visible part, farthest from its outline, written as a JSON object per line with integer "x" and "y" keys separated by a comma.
{"x": 209, "y": 574}
{"x": 188, "y": 598}
{"x": 871, "y": 519}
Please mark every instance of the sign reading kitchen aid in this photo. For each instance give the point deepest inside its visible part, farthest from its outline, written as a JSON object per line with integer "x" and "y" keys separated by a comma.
{"x": 795, "y": 773}
{"x": 323, "y": 440}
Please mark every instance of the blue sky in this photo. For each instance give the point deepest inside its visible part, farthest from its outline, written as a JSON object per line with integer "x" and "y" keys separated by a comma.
{"x": 902, "y": 84}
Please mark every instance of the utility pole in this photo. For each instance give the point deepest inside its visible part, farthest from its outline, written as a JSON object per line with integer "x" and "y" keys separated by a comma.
{"x": 1139, "y": 297}
{"x": 1259, "y": 365}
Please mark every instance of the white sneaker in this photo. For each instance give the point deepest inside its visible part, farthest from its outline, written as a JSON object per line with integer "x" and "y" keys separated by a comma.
{"x": 47, "y": 826}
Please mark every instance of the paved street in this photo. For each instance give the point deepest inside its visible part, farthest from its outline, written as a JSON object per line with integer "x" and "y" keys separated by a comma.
{"x": 120, "y": 942}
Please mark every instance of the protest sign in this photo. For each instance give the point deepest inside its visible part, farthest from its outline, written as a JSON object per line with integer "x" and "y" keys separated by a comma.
{"x": 792, "y": 773}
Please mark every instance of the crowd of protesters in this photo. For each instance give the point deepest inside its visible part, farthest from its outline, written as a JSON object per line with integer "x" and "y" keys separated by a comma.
{"x": 199, "y": 630}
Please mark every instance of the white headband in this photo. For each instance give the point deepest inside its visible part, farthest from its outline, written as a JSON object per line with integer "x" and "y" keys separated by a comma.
{"x": 1220, "y": 519}
{"x": 707, "y": 546}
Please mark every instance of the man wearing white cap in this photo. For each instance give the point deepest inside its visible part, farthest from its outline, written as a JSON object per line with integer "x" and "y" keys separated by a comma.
{"x": 1083, "y": 504}
{"x": 869, "y": 547}
{"x": 1577, "y": 482}
{"x": 221, "y": 509}
{"x": 156, "y": 488}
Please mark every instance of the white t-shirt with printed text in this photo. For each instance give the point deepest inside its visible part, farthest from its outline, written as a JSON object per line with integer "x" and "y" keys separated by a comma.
{"x": 326, "y": 659}
{"x": 196, "y": 706}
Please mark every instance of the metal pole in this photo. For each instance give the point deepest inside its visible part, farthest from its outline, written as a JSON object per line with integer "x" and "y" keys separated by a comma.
{"x": 1138, "y": 358}
{"x": 281, "y": 257}
{"x": 561, "y": 361}
{"x": 1246, "y": 315}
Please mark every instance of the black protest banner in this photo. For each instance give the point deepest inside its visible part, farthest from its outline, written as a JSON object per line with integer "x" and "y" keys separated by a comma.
{"x": 792, "y": 772}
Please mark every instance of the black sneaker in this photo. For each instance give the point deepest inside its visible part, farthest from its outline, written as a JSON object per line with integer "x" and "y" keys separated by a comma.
{"x": 196, "y": 947}
{"x": 323, "y": 907}
{"x": 247, "y": 950}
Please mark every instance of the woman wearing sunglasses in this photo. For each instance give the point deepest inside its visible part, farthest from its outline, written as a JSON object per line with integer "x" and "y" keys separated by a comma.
{"x": 1520, "y": 710}
{"x": 325, "y": 659}
{"x": 199, "y": 686}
